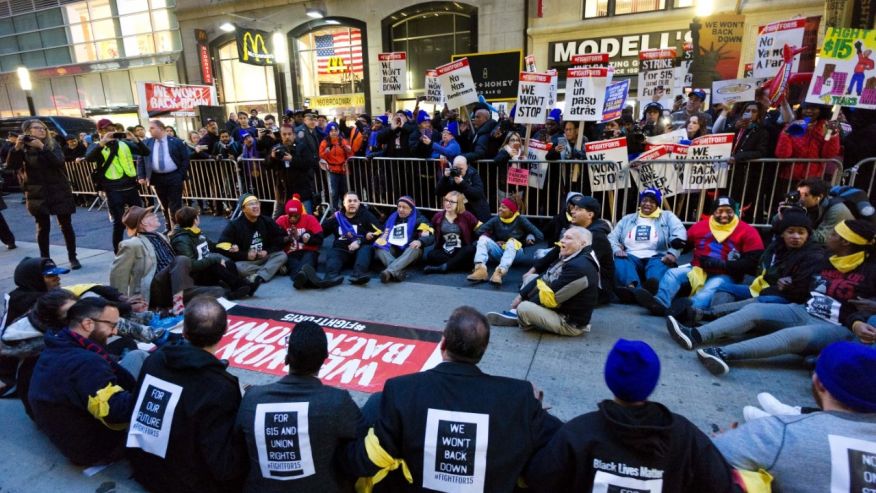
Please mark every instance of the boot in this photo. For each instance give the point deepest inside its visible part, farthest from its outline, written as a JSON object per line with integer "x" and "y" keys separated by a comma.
{"x": 479, "y": 274}
{"x": 498, "y": 274}
{"x": 238, "y": 293}
{"x": 74, "y": 262}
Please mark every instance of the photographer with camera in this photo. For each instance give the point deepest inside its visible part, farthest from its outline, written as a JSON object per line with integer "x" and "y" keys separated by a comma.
{"x": 116, "y": 172}
{"x": 226, "y": 148}
{"x": 461, "y": 177}
{"x": 824, "y": 211}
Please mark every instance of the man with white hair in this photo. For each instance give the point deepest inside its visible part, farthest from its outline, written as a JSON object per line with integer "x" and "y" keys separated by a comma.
{"x": 560, "y": 298}
{"x": 462, "y": 178}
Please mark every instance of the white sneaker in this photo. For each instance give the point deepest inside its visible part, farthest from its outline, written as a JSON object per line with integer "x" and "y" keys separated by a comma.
{"x": 775, "y": 407}
{"x": 750, "y": 413}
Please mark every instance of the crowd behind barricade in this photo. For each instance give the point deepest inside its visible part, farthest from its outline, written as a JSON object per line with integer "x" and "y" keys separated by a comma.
{"x": 805, "y": 286}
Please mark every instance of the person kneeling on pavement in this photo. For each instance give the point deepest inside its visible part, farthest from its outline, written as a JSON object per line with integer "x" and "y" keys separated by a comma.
{"x": 405, "y": 235}
{"x": 831, "y": 314}
{"x": 660, "y": 450}
{"x": 254, "y": 242}
{"x": 725, "y": 249}
{"x": 558, "y": 298}
{"x": 305, "y": 238}
{"x": 209, "y": 268}
{"x": 299, "y": 399}
{"x": 182, "y": 436}
{"x": 80, "y": 394}
{"x": 645, "y": 245}
{"x": 502, "y": 238}
{"x": 355, "y": 230}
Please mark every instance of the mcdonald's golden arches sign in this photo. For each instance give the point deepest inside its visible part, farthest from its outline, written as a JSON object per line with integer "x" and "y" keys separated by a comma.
{"x": 254, "y": 47}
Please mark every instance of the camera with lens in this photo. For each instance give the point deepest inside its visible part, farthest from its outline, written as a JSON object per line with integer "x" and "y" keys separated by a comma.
{"x": 636, "y": 140}
{"x": 454, "y": 172}
{"x": 26, "y": 139}
{"x": 279, "y": 149}
{"x": 793, "y": 198}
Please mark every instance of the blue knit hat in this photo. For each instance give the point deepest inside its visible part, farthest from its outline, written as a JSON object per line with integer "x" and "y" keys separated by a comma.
{"x": 409, "y": 114}
{"x": 632, "y": 370}
{"x": 654, "y": 193}
{"x": 556, "y": 115}
{"x": 330, "y": 126}
{"x": 383, "y": 119}
{"x": 423, "y": 116}
{"x": 453, "y": 128}
{"x": 243, "y": 134}
{"x": 846, "y": 370}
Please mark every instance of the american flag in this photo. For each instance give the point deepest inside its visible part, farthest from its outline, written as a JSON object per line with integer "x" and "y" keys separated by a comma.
{"x": 346, "y": 45}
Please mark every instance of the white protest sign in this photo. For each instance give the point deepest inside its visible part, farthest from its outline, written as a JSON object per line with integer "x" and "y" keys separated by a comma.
{"x": 282, "y": 436}
{"x": 771, "y": 39}
{"x": 532, "y": 97}
{"x": 672, "y": 137}
{"x": 455, "y": 451}
{"x": 152, "y": 418}
{"x": 661, "y": 176}
{"x": 456, "y": 82}
{"x": 733, "y": 91}
{"x": 613, "y": 175}
{"x": 585, "y": 94}
{"x": 393, "y": 72}
{"x": 716, "y": 148}
{"x": 657, "y": 76}
{"x": 529, "y": 63}
{"x": 434, "y": 94}
{"x": 552, "y": 95}
{"x": 538, "y": 166}
{"x": 590, "y": 60}
{"x": 844, "y": 74}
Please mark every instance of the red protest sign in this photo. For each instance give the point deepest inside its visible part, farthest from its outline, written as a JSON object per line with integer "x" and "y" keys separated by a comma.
{"x": 518, "y": 176}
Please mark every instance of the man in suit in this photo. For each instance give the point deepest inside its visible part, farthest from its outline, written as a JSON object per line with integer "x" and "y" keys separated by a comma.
{"x": 165, "y": 169}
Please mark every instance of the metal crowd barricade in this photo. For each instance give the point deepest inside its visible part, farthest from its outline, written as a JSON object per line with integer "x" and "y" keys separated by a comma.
{"x": 212, "y": 179}
{"x": 862, "y": 175}
{"x": 79, "y": 174}
{"x": 257, "y": 179}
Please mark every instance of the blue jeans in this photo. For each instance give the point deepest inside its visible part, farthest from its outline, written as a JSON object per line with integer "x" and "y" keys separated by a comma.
{"x": 488, "y": 249}
{"x": 675, "y": 278}
{"x": 632, "y": 270}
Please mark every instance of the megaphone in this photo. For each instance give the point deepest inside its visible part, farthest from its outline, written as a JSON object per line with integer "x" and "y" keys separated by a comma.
{"x": 798, "y": 128}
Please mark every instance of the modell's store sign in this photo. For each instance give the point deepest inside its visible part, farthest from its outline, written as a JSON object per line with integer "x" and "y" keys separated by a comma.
{"x": 623, "y": 50}
{"x": 254, "y": 47}
{"x": 177, "y": 101}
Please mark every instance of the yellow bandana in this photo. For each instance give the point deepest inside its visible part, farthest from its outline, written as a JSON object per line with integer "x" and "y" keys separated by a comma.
{"x": 846, "y": 233}
{"x": 569, "y": 217}
{"x": 758, "y": 285}
{"x": 510, "y": 219}
{"x": 723, "y": 231}
{"x": 653, "y": 215}
{"x": 195, "y": 229}
{"x": 249, "y": 199}
{"x": 848, "y": 263}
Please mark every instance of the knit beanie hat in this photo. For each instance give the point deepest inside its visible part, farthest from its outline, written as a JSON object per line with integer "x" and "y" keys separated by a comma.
{"x": 856, "y": 231}
{"x": 652, "y": 193}
{"x": 409, "y": 114}
{"x": 407, "y": 199}
{"x": 510, "y": 204}
{"x": 725, "y": 202}
{"x": 383, "y": 119}
{"x": 632, "y": 370}
{"x": 793, "y": 218}
{"x": 453, "y": 128}
{"x": 333, "y": 125}
{"x": 308, "y": 347}
{"x": 556, "y": 115}
{"x": 846, "y": 370}
{"x": 294, "y": 206}
{"x": 422, "y": 116}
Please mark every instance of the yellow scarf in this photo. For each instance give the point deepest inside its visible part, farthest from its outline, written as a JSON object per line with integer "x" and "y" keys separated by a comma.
{"x": 568, "y": 217}
{"x": 758, "y": 285}
{"x": 380, "y": 458}
{"x": 653, "y": 215}
{"x": 723, "y": 231}
{"x": 195, "y": 229}
{"x": 510, "y": 219}
{"x": 848, "y": 263}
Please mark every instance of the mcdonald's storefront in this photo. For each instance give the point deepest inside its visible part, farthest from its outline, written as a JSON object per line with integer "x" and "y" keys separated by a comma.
{"x": 241, "y": 84}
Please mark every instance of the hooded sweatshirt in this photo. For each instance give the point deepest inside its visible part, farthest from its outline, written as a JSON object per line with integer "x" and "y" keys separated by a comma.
{"x": 555, "y": 228}
{"x": 29, "y": 287}
{"x": 601, "y": 248}
{"x": 200, "y": 399}
{"x": 619, "y": 448}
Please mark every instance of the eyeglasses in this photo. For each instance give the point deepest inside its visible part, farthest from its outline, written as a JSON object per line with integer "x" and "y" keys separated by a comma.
{"x": 111, "y": 324}
{"x": 38, "y": 128}
{"x": 448, "y": 201}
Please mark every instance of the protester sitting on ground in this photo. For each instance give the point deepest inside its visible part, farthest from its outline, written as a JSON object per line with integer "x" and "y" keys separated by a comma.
{"x": 786, "y": 268}
{"x": 824, "y": 211}
{"x": 831, "y": 314}
{"x": 334, "y": 151}
{"x": 460, "y": 177}
{"x": 585, "y": 213}
{"x": 405, "y": 235}
{"x": 725, "y": 249}
{"x": 300, "y": 400}
{"x": 355, "y": 230}
{"x": 454, "y": 237}
{"x": 645, "y": 245}
{"x": 657, "y": 449}
{"x": 803, "y": 453}
{"x": 555, "y": 228}
{"x": 502, "y": 239}
{"x": 254, "y": 242}
{"x": 182, "y": 436}
{"x": 33, "y": 278}
{"x": 810, "y": 143}
{"x": 209, "y": 267}
{"x": 447, "y": 147}
{"x": 558, "y": 297}
{"x": 456, "y": 408}
{"x": 80, "y": 396}
{"x": 305, "y": 238}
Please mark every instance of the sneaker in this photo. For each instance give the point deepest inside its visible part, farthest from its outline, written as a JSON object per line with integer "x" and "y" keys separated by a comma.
{"x": 507, "y": 318}
{"x": 11, "y": 246}
{"x": 679, "y": 333}
{"x": 239, "y": 292}
{"x": 74, "y": 263}
{"x": 359, "y": 279}
{"x": 714, "y": 359}
{"x": 750, "y": 413}
{"x": 625, "y": 295}
{"x": 649, "y": 301}
{"x": 776, "y": 407}
{"x": 385, "y": 276}
{"x": 299, "y": 280}
{"x": 167, "y": 323}
{"x": 254, "y": 285}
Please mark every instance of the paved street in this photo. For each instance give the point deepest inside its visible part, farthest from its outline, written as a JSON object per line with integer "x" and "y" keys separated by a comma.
{"x": 568, "y": 370}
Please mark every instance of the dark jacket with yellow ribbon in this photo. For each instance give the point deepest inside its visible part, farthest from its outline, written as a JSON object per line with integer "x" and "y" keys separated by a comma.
{"x": 80, "y": 400}
{"x": 570, "y": 287}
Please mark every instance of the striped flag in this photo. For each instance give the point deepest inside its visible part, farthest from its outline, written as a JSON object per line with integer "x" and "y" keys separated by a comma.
{"x": 339, "y": 52}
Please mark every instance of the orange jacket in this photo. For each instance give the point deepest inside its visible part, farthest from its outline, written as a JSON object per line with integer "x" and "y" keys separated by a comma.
{"x": 335, "y": 155}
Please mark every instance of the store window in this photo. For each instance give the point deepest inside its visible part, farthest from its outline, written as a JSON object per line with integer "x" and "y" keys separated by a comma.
{"x": 245, "y": 86}
{"x": 431, "y": 33}
{"x": 604, "y": 8}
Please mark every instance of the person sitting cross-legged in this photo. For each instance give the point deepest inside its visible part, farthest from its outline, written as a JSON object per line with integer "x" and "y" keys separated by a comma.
{"x": 305, "y": 238}
{"x": 455, "y": 238}
{"x": 831, "y": 314}
{"x": 559, "y": 298}
{"x": 502, "y": 238}
{"x": 405, "y": 235}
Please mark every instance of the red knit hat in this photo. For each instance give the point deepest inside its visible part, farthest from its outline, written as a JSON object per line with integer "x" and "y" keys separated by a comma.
{"x": 294, "y": 205}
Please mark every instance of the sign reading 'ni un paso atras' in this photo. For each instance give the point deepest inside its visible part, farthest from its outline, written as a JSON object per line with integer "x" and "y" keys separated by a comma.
{"x": 254, "y": 47}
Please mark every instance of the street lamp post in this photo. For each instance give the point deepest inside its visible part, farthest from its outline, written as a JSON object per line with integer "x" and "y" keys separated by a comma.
{"x": 26, "y": 86}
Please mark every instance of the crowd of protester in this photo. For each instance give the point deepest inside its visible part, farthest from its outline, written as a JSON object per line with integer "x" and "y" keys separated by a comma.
{"x": 806, "y": 287}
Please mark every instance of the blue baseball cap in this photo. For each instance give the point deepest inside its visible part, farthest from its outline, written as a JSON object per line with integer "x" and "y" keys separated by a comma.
{"x": 50, "y": 269}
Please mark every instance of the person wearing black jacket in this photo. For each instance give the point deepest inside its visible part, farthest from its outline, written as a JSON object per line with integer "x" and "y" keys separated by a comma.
{"x": 303, "y": 168}
{"x": 255, "y": 242}
{"x": 475, "y": 142}
{"x": 630, "y": 443}
{"x": 181, "y": 437}
{"x": 73, "y": 149}
{"x": 209, "y": 139}
{"x": 453, "y": 425}
{"x": 355, "y": 230}
{"x": 116, "y": 173}
{"x": 397, "y": 137}
{"x": 460, "y": 177}
{"x": 752, "y": 142}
